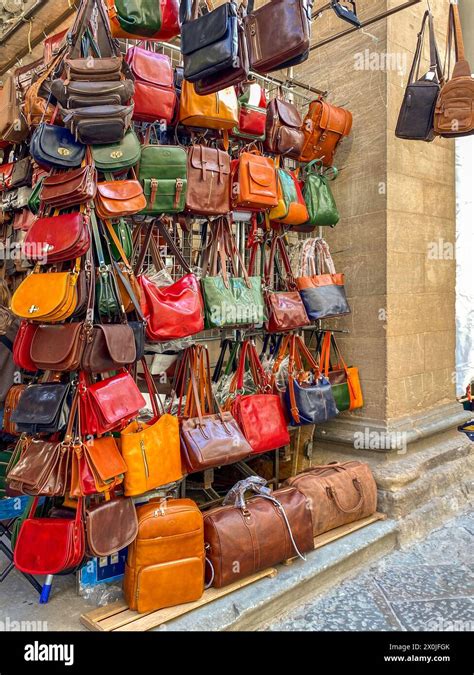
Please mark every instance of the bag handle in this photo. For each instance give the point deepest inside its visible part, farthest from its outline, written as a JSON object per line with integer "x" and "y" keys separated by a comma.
{"x": 332, "y": 493}
{"x": 152, "y": 390}
{"x": 461, "y": 67}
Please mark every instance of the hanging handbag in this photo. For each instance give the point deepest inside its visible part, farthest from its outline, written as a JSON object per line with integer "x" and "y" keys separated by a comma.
{"x": 119, "y": 156}
{"x": 155, "y": 96}
{"x": 278, "y": 34}
{"x": 43, "y": 408}
{"x": 322, "y": 209}
{"x": 98, "y": 125}
{"x": 108, "y": 404}
{"x": 260, "y": 416}
{"x": 324, "y": 126}
{"x": 454, "y": 111}
{"x": 229, "y": 300}
{"x": 151, "y": 450}
{"x": 254, "y": 182}
{"x": 55, "y": 147}
{"x": 323, "y": 294}
{"x": 308, "y": 396}
{"x": 344, "y": 381}
{"x": 252, "y": 112}
{"x": 212, "y": 111}
{"x": 59, "y": 238}
{"x": 163, "y": 175}
{"x": 175, "y": 311}
{"x": 208, "y": 439}
{"x": 119, "y": 198}
{"x": 22, "y": 345}
{"x": 85, "y": 94}
{"x": 109, "y": 347}
{"x": 291, "y": 209}
{"x": 97, "y": 467}
{"x": 13, "y": 126}
{"x": 244, "y": 536}
{"x": 48, "y": 296}
{"x": 50, "y": 545}
{"x": 416, "y": 117}
{"x": 149, "y": 20}
{"x": 338, "y": 493}
{"x": 11, "y": 402}
{"x": 110, "y": 526}
{"x": 22, "y": 173}
{"x": 208, "y": 192}
{"x": 283, "y": 130}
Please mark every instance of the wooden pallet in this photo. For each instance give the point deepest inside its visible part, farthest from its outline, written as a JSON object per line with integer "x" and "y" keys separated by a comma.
{"x": 117, "y": 617}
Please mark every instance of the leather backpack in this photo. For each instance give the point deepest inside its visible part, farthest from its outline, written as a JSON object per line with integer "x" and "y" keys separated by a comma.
{"x": 155, "y": 96}
{"x": 284, "y": 135}
{"x": 208, "y": 191}
{"x": 324, "y": 127}
{"x": 454, "y": 112}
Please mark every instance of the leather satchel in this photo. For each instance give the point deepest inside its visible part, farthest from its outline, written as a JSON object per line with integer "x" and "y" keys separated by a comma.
{"x": 338, "y": 493}
{"x": 208, "y": 192}
{"x": 416, "y": 117}
{"x": 155, "y": 97}
{"x": 256, "y": 533}
{"x": 454, "y": 112}
{"x": 55, "y": 147}
{"x": 283, "y": 132}
{"x": 163, "y": 175}
{"x": 22, "y": 173}
{"x": 58, "y": 347}
{"x": 43, "y": 408}
{"x": 49, "y": 545}
{"x": 324, "y": 126}
{"x": 115, "y": 157}
{"x": 145, "y": 19}
{"x": 108, "y": 347}
{"x": 110, "y": 526}
{"x": 254, "y": 182}
{"x": 58, "y": 238}
{"x": 119, "y": 198}
{"x": 278, "y": 34}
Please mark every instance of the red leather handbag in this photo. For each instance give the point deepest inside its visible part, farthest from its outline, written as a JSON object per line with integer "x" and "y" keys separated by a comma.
{"x": 6, "y": 171}
{"x": 175, "y": 311}
{"x": 252, "y": 112}
{"x": 58, "y": 238}
{"x": 260, "y": 416}
{"x": 108, "y": 404}
{"x": 22, "y": 345}
{"x": 155, "y": 96}
{"x": 49, "y": 545}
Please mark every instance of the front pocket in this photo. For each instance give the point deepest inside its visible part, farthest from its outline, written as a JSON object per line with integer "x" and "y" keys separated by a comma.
{"x": 169, "y": 584}
{"x": 164, "y": 196}
{"x": 455, "y": 115}
{"x": 290, "y": 141}
{"x": 85, "y": 101}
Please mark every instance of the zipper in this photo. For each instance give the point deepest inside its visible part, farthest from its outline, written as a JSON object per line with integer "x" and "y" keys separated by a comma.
{"x": 145, "y": 461}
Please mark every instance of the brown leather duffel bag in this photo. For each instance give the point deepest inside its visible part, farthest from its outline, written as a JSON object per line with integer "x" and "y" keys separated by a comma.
{"x": 251, "y": 535}
{"x": 337, "y": 494}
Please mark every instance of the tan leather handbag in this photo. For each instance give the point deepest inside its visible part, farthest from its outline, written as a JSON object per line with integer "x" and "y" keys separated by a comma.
{"x": 213, "y": 111}
{"x": 324, "y": 127}
{"x": 118, "y": 198}
{"x": 13, "y": 127}
{"x": 337, "y": 493}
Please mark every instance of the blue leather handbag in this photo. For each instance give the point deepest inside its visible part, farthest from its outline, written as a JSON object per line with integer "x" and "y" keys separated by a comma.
{"x": 55, "y": 147}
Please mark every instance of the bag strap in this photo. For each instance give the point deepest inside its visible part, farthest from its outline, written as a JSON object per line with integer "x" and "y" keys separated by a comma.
{"x": 461, "y": 67}
{"x": 435, "y": 63}
{"x": 173, "y": 247}
{"x": 105, "y": 43}
{"x": 156, "y": 403}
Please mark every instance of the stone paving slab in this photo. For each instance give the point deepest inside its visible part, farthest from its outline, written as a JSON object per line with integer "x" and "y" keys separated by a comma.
{"x": 425, "y": 582}
{"x": 450, "y": 614}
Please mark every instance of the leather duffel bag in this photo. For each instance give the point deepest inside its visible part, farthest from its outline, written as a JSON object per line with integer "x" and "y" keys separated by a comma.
{"x": 243, "y": 537}
{"x": 338, "y": 493}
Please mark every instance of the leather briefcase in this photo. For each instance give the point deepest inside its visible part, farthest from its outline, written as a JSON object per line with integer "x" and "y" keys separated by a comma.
{"x": 255, "y": 534}
{"x": 337, "y": 493}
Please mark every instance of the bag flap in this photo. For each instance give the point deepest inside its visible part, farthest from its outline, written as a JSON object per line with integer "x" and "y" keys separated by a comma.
{"x": 126, "y": 152}
{"x": 111, "y": 526}
{"x": 162, "y": 156}
{"x": 52, "y": 344}
{"x": 59, "y": 232}
{"x": 210, "y": 159}
{"x": 74, "y": 176}
{"x": 58, "y": 144}
{"x": 118, "y": 398}
{"x": 335, "y": 119}
{"x": 150, "y": 67}
{"x": 40, "y": 403}
{"x": 262, "y": 174}
{"x": 205, "y": 30}
{"x": 120, "y": 342}
{"x": 104, "y": 455}
{"x": 288, "y": 114}
{"x": 120, "y": 190}
{"x": 33, "y": 551}
{"x": 41, "y": 292}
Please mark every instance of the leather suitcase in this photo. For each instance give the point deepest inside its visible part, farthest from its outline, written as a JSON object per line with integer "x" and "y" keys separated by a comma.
{"x": 165, "y": 563}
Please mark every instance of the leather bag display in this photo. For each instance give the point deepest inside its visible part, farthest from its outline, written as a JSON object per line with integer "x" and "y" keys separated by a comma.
{"x": 416, "y": 117}
{"x": 257, "y": 533}
{"x": 165, "y": 563}
{"x": 454, "y": 111}
{"x": 208, "y": 192}
{"x": 324, "y": 126}
{"x": 317, "y": 193}
{"x": 147, "y": 19}
{"x": 110, "y": 526}
{"x": 323, "y": 294}
{"x": 254, "y": 182}
{"x": 283, "y": 131}
{"x": 338, "y": 494}
{"x": 155, "y": 97}
{"x": 212, "y": 111}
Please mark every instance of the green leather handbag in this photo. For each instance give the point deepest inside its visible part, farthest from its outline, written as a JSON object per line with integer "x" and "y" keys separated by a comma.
{"x": 139, "y": 17}
{"x": 229, "y": 300}
{"x": 34, "y": 198}
{"x": 117, "y": 156}
{"x": 318, "y": 196}
{"x": 163, "y": 175}
{"x": 106, "y": 291}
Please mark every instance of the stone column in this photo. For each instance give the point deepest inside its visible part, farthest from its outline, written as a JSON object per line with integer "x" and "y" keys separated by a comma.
{"x": 395, "y": 243}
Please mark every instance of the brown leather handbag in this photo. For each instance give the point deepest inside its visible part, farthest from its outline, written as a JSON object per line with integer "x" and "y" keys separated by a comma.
{"x": 11, "y": 402}
{"x": 109, "y": 347}
{"x": 324, "y": 126}
{"x": 165, "y": 563}
{"x": 454, "y": 111}
{"x": 62, "y": 189}
{"x": 337, "y": 493}
{"x": 110, "y": 526}
{"x": 284, "y": 134}
{"x": 58, "y": 347}
{"x": 208, "y": 192}
{"x": 255, "y": 534}
{"x": 278, "y": 34}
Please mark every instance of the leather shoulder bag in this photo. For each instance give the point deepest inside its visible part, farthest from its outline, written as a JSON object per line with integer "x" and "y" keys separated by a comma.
{"x": 55, "y": 147}
{"x": 43, "y": 408}
{"x": 211, "y": 111}
{"x": 22, "y": 345}
{"x": 317, "y": 193}
{"x": 119, "y": 198}
{"x": 13, "y": 125}
{"x": 208, "y": 192}
{"x": 119, "y": 156}
{"x": 146, "y": 19}
{"x": 58, "y": 238}
{"x": 324, "y": 126}
{"x": 291, "y": 209}
{"x": 110, "y": 526}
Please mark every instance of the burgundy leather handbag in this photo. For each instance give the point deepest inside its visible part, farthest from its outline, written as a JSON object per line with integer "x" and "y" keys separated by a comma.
{"x": 22, "y": 346}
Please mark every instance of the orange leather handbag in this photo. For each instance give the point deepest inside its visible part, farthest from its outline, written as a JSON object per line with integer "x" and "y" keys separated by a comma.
{"x": 213, "y": 111}
{"x": 324, "y": 127}
{"x": 254, "y": 182}
{"x": 291, "y": 209}
{"x": 119, "y": 198}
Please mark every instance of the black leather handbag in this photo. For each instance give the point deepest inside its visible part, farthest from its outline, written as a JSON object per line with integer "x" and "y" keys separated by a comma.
{"x": 209, "y": 43}
{"x": 43, "y": 408}
{"x": 415, "y": 121}
{"x": 56, "y": 147}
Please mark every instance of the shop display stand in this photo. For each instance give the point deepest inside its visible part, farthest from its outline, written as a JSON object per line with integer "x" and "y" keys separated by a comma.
{"x": 116, "y": 617}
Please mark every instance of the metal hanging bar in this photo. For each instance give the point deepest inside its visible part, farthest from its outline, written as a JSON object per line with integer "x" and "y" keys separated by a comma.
{"x": 367, "y": 22}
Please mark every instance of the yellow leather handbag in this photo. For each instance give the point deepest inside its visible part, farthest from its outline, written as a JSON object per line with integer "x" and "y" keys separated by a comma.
{"x": 213, "y": 111}
{"x": 47, "y": 296}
